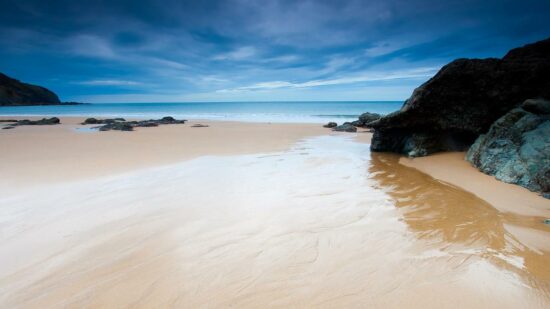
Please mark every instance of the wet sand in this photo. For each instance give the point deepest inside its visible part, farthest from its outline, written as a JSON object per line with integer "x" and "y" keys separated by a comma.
{"x": 46, "y": 154}
{"x": 307, "y": 221}
{"x": 452, "y": 168}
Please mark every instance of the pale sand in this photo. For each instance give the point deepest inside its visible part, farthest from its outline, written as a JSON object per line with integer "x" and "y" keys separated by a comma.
{"x": 451, "y": 167}
{"x": 45, "y": 154}
{"x": 294, "y": 223}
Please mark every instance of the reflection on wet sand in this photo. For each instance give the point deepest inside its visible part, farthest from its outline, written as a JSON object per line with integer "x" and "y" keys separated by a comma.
{"x": 462, "y": 224}
{"x": 323, "y": 225}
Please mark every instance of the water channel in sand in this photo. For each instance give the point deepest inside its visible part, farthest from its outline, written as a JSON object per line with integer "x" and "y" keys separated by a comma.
{"x": 325, "y": 224}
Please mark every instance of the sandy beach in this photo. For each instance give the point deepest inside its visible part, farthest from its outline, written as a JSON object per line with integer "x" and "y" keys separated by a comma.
{"x": 252, "y": 215}
{"x": 38, "y": 154}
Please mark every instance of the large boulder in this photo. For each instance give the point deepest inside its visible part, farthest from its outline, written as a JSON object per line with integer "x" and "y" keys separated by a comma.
{"x": 462, "y": 100}
{"x": 516, "y": 149}
{"x": 14, "y": 92}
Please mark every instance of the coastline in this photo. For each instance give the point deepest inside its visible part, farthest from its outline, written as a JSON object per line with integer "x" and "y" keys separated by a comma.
{"x": 60, "y": 153}
{"x": 235, "y": 210}
{"x": 34, "y": 155}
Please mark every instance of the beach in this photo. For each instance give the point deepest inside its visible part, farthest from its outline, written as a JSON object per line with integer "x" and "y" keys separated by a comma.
{"x": 243, "y": 214}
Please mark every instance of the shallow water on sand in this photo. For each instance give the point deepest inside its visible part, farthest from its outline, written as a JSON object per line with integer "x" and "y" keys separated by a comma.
{"x": 325, "y": 224}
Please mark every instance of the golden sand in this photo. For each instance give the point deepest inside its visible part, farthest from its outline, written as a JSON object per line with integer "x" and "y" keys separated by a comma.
{"x": 269, "y": 216}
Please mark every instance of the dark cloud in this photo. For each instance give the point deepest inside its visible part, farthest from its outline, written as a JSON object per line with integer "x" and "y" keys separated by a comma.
{"x": 215, "y": 50}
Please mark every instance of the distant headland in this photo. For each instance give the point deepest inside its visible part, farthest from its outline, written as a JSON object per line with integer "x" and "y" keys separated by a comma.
{"x": 16, "y": 93}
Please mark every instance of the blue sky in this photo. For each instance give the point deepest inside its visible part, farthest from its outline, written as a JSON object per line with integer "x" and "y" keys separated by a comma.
{"x": 177, "y": 51}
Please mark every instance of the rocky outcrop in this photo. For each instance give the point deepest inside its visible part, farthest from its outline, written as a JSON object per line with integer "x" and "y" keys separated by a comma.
{"x": 462, "y": 100}
{"x": 14, "y": 92}
{"x": 346, "y": 127}
{"x": 516, "y": 149}
{"x": 101, "y": 121}
{"x": 27, "y": 122}
{"x": 330, "y": 125}
{"x": 120, "y": 124}
{"x": 365, "y": 119}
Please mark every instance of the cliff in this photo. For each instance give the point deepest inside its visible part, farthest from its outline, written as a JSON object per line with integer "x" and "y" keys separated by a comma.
{"x": 14, "y": 92}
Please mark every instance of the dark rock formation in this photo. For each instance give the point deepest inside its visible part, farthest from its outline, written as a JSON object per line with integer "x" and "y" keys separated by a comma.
{"x": 330, "y": 125}
{"x": 14, "y": 92}
{"x": 516, "y": 149}
{"x": 365, "y": 119}
{"x": 346, "y": 127}
{"x": 120, "y": 124}
{"x": 101, "y": 121}
{"x": 462, "y": 100}
{"x": 198, "y": 125}
{"x": 41, "y": 122}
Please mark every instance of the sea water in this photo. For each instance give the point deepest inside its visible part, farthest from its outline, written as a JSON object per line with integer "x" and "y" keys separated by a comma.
{"x": 298, "y": 112}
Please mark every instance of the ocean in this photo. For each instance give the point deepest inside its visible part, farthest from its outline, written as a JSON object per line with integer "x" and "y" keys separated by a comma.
{"x": 298, "y": 112}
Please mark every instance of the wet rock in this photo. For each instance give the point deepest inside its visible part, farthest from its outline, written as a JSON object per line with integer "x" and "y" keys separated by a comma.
{"x": 90, "y": 121}
{"x": 516, "y": 149}
{"x": 365, "y": 119}
{"x": 101, "y": 121}
{"x": 8, "y": 120}
{"x": 537, "y": 106}
{"x": 41, "y": 122}
{"x": 462, "y": 101}
{"x": 168, "y": 119}
{"x": 121, "y": 124}
{"x": 346, "y": 127}
{"x": 330, "y": 125}
{"x": 118, "y": 126}
{"x": 146, "y": 124}
{"x": 8, "y": 128}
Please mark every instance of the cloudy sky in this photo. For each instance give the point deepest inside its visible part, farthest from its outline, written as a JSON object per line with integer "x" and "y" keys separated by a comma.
{"x": 252, "y": 50}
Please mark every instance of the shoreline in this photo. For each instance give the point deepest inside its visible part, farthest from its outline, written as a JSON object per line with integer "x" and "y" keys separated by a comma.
{"x": 452, "y": 168}
{"x": 60, "y": 153}
{"x": 121, "y": 217}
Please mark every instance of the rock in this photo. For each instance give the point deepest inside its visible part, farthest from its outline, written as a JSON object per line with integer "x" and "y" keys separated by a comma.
{"x": 198, "y": 125}
{"x": 168, "y": 119}
{"x": 365, "y": 119}
{"x": 146, "y": 124}
{"x": 8, "y": 120}
{"x": 41, "y": 122}
{"x": 8, "y": 127}
{"x": 90, "y": 121}
{"x": 462, "y": 100}
{"x": 121, "y": 124}
{"x": 101, "y": 121}
{"x": 330, "y": 125}
{"x": 516, "y": 149}
{"x": 14, "y": 92}
{"x": 346, "y": 127}
{"x": 537, "y": 106}
{"x": 547, "y": 221}
{"x": 118, "y": 126}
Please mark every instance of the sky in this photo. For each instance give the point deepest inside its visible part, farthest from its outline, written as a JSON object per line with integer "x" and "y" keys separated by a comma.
{"x": 253, "y": 50}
